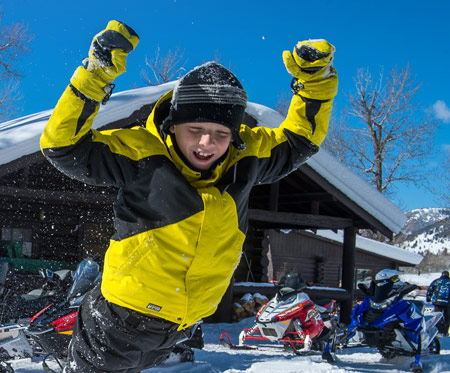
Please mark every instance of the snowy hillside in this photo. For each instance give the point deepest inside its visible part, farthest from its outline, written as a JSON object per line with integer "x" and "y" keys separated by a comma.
{"x": 426, "y": 231}
{"x": 421, "y": 219}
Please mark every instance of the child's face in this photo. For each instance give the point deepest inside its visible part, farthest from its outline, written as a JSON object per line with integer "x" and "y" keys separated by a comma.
{"x": 202, "y": 143}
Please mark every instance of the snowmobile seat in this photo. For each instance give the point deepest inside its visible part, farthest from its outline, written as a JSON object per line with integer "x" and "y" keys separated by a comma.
{"x": 324, "y": 305}
{"x": 420, "y": 304}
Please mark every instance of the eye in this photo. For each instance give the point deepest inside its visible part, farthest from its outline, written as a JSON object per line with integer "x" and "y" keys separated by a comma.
{"x": 195, "y": 129}
{"x": 223, "y": 135}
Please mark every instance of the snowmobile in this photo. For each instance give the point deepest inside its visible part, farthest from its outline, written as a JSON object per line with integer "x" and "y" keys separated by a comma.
{"x": 51, "y": 327}
{"x": 394, "y": 325}
{"x": 16, "y": 311}
{"x": 292, "y": 318}
{"x": 13, "y": 344}
{"x": 52, "y": 287}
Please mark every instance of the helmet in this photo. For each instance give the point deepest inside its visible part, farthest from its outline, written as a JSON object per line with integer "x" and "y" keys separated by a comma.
{"x": 388, "y": 274}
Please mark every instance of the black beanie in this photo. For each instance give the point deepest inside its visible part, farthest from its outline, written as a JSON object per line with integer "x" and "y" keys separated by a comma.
{"x": 209, "y": 93}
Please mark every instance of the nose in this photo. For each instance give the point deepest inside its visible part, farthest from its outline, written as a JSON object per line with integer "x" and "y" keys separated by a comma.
{"x": 206, "y": 139}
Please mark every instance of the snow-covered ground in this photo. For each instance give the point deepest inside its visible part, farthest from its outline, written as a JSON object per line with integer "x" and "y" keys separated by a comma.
{"x": 215, "y": 358}
{"x": 423, "y": 279}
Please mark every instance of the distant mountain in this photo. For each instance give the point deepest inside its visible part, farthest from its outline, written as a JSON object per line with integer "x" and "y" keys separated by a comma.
{"x": 426, "y": 231}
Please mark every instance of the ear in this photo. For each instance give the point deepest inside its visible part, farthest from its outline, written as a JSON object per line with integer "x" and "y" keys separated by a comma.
{"x": 172, "y": 128}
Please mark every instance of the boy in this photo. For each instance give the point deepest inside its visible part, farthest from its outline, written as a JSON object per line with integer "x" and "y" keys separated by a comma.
{"x": 184, "y": 184}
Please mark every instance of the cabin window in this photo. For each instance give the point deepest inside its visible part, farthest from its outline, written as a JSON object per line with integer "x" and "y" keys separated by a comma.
{"x": 21, "y": 238}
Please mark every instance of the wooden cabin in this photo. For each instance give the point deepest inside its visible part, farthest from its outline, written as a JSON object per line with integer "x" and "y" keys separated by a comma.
{"x": 56, "y": 218}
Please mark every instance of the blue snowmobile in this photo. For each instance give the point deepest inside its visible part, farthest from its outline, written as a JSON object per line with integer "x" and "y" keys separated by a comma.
{"x": 394, "y": 325}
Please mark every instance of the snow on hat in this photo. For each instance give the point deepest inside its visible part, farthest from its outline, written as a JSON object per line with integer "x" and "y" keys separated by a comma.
{"x": 209, "y": 93}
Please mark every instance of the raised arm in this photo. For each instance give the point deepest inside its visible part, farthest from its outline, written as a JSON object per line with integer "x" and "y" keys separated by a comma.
{"x": 68, "y": 141}
{"x": 314, "y": 85}
{"x": 282, "y": 150}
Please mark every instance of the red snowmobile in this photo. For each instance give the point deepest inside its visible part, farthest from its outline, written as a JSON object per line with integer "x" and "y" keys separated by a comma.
{"x": 291, "y": 317}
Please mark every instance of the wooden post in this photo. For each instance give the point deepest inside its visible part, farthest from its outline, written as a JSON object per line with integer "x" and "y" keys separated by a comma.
{"x": 273, "y": 197}
{"x": 348, "y": 272}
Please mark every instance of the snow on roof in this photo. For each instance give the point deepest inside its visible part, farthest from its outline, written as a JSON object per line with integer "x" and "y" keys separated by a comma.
{"x": 20, "y": 137}
{"x": 375, "y": 247}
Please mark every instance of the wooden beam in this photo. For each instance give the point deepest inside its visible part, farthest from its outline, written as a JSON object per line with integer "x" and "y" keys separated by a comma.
{"x": 274, "y": 194}
{"x": 315, "y": 207}
{"x": 22, "y": 162}
{"x": 290, "y": 220}
{"x": 293, "y": 198}
{"x": 348, "y": 271}
{"x": 346, "y": 201}
{"x": 58, "y": 196}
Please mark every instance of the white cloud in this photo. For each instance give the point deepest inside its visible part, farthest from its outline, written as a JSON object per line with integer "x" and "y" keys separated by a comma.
{"x": 441, "y": 111}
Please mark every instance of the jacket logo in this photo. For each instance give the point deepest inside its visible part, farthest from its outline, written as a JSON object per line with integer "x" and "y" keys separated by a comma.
{"x": 154, "y": 307}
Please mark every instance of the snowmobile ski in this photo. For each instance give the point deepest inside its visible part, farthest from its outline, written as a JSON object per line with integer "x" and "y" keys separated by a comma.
{"x": 227, "y": 343}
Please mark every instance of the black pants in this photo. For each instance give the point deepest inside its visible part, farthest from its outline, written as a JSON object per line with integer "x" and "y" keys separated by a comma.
{"x": 110, "y": 338}
{"x": 444, "y": 324}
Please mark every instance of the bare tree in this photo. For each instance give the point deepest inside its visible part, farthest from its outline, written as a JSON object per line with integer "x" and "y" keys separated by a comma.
{"x": 384, "y": 136}
{"x": 9, "y": 94}
{"x": 282, "y": 104}
{"x": 164, "y": 69}
{"x": 14, "y": 41}
{"x": 217, "y": 57}
{"x": 446, "y": 180}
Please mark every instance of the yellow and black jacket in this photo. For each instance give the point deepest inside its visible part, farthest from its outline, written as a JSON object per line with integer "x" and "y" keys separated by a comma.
{"x": 179, "y": 232}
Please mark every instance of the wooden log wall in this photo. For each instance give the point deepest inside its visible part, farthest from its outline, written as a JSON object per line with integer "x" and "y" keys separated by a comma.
{"x": 254, "y": 262}
{"x": 69, "y": 219}
{"x": 317, "y": 259}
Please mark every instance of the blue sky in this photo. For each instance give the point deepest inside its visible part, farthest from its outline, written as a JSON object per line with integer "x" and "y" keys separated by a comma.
{"x": 250, "y": 37}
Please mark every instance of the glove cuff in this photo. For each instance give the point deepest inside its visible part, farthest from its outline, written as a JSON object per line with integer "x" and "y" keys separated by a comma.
{"x": 318, "y": 89}
{"x": 89, "y": 84}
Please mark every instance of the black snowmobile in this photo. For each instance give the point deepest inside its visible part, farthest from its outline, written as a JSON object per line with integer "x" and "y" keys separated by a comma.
{"x": 16, "y": 310}
{"x": 51, "y": 328}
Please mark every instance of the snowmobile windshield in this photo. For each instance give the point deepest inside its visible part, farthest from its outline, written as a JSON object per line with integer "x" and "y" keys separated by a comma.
{"x": 382, "y": 291}
{"x": 293, "y": 281}
{"x": 85, "y": 275}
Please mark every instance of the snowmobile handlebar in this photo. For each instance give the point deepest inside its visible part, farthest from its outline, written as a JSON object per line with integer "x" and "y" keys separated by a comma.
{"x": 406, "y": 289}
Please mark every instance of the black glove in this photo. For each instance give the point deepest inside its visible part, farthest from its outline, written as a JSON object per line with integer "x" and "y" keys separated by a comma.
{"x": 107, "y": 59}
{"x": 109, "y": 49}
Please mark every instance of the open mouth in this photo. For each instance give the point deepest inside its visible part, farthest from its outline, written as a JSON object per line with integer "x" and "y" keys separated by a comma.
{"x": 203, "y": 156}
